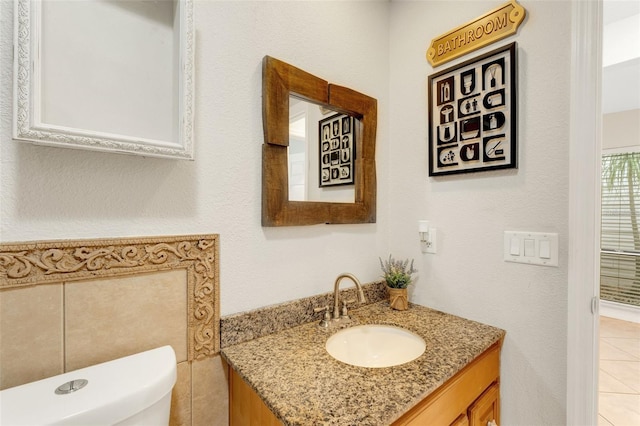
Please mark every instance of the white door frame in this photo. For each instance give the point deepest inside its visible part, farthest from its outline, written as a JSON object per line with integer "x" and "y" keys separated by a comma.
{"x": 584, "y": 213}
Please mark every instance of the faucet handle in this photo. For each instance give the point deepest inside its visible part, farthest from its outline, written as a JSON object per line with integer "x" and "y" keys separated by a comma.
{"x": 324, "y": 322}
{"x": 322, "y": 308}
{"x": 344, "y": 313}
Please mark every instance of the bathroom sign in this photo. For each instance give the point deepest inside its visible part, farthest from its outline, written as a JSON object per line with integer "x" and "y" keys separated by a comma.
{"x": 487, "y": 29}
{"x": 472, "y": 115}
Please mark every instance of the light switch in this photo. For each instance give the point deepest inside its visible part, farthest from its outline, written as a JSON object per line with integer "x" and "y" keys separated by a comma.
{"x": 515, "y": 246}
{"x": 532, "y": 248}
{"x": 529, "y": 247}
{"x": 545, "y": 251}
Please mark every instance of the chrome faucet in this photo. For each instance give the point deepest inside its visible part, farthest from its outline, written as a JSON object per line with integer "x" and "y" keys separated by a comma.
{"x": 336, "y": 293}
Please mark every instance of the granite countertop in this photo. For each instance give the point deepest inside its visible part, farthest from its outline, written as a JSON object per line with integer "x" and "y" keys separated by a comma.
{"x": 303, "y": 385}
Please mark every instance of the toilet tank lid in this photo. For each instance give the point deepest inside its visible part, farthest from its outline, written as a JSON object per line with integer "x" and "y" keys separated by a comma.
{"x": 115, "y": 391}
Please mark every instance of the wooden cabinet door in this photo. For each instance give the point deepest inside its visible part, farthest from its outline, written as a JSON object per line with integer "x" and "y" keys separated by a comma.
{"x": 463, "y": 420}
{"x": 246, "y": 408}
{"x": 485, "y": 411}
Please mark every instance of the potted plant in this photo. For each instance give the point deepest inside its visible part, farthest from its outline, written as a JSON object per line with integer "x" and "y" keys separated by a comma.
{"x": 397, "y": 274}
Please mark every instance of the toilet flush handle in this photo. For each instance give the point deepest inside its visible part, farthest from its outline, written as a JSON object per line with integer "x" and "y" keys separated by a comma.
{"x": 72, "y": 386}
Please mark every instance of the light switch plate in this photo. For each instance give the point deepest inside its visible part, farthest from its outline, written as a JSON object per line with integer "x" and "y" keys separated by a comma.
{"x": 533, "y": 248}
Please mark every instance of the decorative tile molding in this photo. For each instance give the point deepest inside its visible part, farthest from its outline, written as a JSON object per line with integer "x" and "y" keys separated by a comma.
{"x": 42, "y": 262}
{"x": 245, "y": 326}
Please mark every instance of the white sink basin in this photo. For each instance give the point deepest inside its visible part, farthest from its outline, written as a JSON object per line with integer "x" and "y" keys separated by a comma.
{"x": 375, "y": 346}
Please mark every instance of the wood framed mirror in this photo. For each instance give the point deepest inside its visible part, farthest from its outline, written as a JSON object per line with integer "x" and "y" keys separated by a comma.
{"x": 282, "y": 82}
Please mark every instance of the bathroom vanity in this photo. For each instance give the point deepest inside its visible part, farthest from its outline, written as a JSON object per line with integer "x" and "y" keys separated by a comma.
{"x": 289, "y": 378}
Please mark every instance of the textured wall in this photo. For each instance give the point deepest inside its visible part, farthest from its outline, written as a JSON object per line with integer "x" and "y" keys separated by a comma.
{"x": 377, "y": 48}
{"x": 50, "y": 193}
{"x": 468, "y": 276}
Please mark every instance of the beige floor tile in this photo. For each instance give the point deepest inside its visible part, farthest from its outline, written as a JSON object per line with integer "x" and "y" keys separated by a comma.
{"x": 619, "y": 397}
{"x": 610, "y": 327}
{"x": 603, "y": 422}
{"x": 611, "y": 348}
{"x": 608, "y": 383}
{"x": 628, "y": 372}
{"x": 620, "y": 409}
{"x": 627, "y": 345}
{"x": 607, "y": 326}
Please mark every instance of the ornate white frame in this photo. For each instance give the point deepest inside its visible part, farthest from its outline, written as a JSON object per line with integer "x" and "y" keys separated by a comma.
{"x": 27, "y": 126}
{"x": 42, "y": 262}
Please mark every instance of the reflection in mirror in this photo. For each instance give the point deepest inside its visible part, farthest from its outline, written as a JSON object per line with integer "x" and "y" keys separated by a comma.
{"x": 320, "y": 153}
{"x": 80, "y": 84}
{"x": 349, "y": 146}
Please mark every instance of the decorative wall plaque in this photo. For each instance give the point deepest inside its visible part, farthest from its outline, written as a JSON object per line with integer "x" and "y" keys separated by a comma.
{"x": 337, "y": 143}
{"x": 487, "y": 29}
{"x": 472, "y": 115}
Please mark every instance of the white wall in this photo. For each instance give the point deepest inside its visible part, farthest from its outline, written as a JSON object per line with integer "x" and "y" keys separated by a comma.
{"x": 621, "y": 129}
{"x": 468, "y": 276}
{"x": 377, "y": 48}
{"x": 621, "y": 40}
{"x": 51, "y": 193}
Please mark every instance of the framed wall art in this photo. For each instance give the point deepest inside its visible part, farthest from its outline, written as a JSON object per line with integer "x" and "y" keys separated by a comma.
{"x": 337, "y": 150}
{"x": 472, "y": 115}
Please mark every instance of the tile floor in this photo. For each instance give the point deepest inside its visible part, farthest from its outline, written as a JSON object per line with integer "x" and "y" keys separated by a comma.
{"x": 619, "y": 394}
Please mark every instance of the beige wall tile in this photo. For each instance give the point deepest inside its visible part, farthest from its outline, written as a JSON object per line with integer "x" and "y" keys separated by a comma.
{"x": 210, "y": 392}
{"x": 51, "y": 328}
{"x": 31, "y": 339}
{"x": 181, "y": 397}
{"x": 110, "y": 318}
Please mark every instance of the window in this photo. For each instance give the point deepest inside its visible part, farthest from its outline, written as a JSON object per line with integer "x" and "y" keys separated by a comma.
{"x": 620, "y": 242}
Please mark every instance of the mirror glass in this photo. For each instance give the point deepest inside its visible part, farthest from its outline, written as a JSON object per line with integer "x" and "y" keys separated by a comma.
{"x": 109, "y": 75}
{"x": 321, "y": 153}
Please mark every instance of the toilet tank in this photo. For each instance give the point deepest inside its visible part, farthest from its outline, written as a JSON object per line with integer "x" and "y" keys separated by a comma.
{"x": 134, "y": 390}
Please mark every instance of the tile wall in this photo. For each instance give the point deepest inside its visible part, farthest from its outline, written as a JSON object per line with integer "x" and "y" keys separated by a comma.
{"x": 56, "y": 327}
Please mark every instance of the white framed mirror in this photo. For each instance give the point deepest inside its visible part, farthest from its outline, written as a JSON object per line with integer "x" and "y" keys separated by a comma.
{"x": 105, "y": 75}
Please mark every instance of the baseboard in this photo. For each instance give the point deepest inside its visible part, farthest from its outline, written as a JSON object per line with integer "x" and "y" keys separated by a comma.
{"x": 620, "y": 311}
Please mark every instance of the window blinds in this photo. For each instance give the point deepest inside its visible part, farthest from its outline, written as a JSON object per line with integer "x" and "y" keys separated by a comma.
{"x": 620, "y": 241}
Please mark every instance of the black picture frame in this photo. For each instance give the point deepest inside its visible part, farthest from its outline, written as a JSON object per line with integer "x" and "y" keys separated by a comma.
{"x": 472, "y": 114}
{"x": 336, "y": 150}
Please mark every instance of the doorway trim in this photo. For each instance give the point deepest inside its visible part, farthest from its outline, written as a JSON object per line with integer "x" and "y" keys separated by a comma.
{"x": 584, "y": 213}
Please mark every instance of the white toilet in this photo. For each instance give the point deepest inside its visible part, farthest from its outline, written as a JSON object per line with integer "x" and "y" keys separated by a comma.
{"x": 134, "y": 390}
